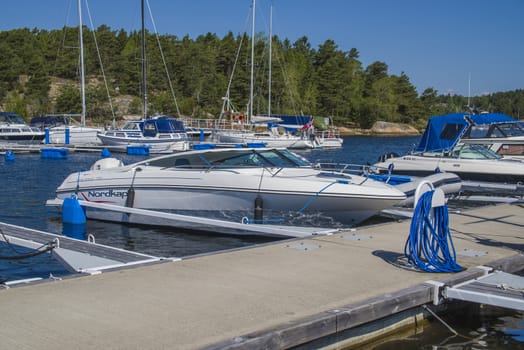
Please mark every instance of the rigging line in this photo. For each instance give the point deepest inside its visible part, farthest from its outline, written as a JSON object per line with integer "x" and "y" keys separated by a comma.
{"x": 163, "y": 58}
{"x": 64, "y": 32}
{"x": 281, "y": 62}
{"x": 100, "y": 60}
{"x": 227, "y": 100}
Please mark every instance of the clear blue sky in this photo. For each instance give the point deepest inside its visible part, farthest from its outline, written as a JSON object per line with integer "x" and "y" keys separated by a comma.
{"x": 437, "y": 43}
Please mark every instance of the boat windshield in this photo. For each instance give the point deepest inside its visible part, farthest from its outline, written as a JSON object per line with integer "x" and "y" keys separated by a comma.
{"x": 231, "y": 158}
{"x": 474, "y": 151}
{"x": 512, "y": 129}
{"x": 131, "y": 126}
{"x": 496, "y": 130}
{"x": 11, "y": 118}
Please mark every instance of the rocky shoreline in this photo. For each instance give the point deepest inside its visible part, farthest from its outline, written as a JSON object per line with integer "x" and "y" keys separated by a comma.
{"x": 381, "y": 129}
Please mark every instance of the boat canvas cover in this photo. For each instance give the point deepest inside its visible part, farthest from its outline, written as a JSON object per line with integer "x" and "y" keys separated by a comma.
{"x": 164, "y": 125}
{"x": 294, "y": 122}
{"x": 444, "y": 131}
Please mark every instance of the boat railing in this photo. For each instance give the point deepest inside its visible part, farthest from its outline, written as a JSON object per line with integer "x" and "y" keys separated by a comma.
{"x": 349, "y": 168}
{"x": 207, "y": 124}
{"x": 329, "y": 134}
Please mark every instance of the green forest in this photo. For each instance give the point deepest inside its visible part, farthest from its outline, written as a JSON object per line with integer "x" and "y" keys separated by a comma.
{"x": 39, "y": 74}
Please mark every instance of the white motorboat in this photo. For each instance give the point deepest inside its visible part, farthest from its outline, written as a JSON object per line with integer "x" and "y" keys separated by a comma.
{"x": 270, "y": 138}
{"x": 14, "y": 129}
{"x": 469, "y": 161}
{"x": 500, "y": 133}
{"x": 65, "y": 129}
{"x": 161, "y": 133}
{"x": 441, "y": 149}
{"x": 238, "y": 184}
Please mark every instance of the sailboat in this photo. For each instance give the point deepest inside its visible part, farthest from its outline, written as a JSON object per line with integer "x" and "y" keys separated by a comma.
{"x": 161, "y": 133}
{"x": 272, "y": 136}
{"x": 67, "y": 129}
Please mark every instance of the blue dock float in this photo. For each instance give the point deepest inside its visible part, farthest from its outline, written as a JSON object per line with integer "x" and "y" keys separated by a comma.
{"x": 138, "y": 150}
{"x": 54, "y": 152}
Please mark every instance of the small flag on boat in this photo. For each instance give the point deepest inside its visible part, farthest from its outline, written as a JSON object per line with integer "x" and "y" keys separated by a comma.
{"x": 308, "y": 125}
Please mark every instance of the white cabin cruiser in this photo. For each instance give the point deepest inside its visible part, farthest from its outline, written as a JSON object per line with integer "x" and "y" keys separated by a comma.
{"x": 505, "y": 137}
{"x": 161, "y": 133}
{"x": 469, "y": 161}
{"x": 14, "y": 129}
{"x": 233, "y": 183}
{"x": 441, "y": 149}
{"x": 65, "y": 129}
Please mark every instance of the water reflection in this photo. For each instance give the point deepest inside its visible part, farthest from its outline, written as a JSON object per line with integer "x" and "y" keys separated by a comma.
{"x": 478, "y": 327}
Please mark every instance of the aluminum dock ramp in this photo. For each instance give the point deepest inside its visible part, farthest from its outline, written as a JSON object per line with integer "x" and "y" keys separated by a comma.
{"x": 497, "y": 288}
{"x": 76, "y": 255}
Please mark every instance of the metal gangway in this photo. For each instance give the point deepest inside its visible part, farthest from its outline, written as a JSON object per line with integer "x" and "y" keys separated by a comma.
{"x": 494, "y": 287}
{"x": 77, "y": 256}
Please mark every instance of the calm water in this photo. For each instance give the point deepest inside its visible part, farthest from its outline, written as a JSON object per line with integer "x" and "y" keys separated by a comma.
{"x": 29, "y": 181}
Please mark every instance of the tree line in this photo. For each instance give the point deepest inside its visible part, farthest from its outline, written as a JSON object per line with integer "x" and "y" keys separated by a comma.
{"x": 191, "y": 77}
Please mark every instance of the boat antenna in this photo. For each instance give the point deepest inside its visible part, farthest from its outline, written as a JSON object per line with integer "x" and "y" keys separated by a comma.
{"x": 252, "y": 61}
{"x": 82, "y": 73}
{"x": 270, "y": 46}
{"x": 144, "y": 88}
{"x": 469, "y": 92}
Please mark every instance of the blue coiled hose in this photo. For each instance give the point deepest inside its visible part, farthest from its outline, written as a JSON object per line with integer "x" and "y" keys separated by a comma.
{"x": 429, "y": 246}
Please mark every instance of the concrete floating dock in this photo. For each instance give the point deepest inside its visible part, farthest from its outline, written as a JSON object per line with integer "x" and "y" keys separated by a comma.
{"x": 317, "y": 290}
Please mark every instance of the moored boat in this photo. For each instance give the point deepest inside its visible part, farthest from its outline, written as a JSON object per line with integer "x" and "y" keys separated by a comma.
{"x": 441, "y": 149}
{"x": 230, "y": 183}
{"x": 161, "y": 133}
{"x": 14, "y": 129}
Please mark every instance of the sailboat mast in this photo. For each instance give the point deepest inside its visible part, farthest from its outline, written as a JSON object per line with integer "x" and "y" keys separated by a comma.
{"x": 144, "y": 88}
{"x": 270, "y": 45}
{"x": 82, "y": 74}
{"x": 252, "y": 62}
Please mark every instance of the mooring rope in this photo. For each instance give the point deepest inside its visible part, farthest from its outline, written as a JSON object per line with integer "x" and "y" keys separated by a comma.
{"x": 44, "y": 248}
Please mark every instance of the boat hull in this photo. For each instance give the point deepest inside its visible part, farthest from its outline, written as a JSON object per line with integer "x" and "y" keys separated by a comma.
{"x": 496, "y": 170}
{"x": 281, "y": 141}
{"x": 77, "y": 135}
{"x": 290, "y": 196}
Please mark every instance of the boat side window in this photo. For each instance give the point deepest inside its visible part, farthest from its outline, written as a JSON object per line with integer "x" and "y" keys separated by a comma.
{"x": 131, "y": 126}
{"x": 451, "y": 131}
{"x": 512, "y": 129}
{"x": 478, "y": 131}
{"x": 496, "y": 132}
{"x": 245, "y": 159}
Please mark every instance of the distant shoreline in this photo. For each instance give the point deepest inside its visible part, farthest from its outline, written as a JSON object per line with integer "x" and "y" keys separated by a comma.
{"x": 381, "y": 129}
